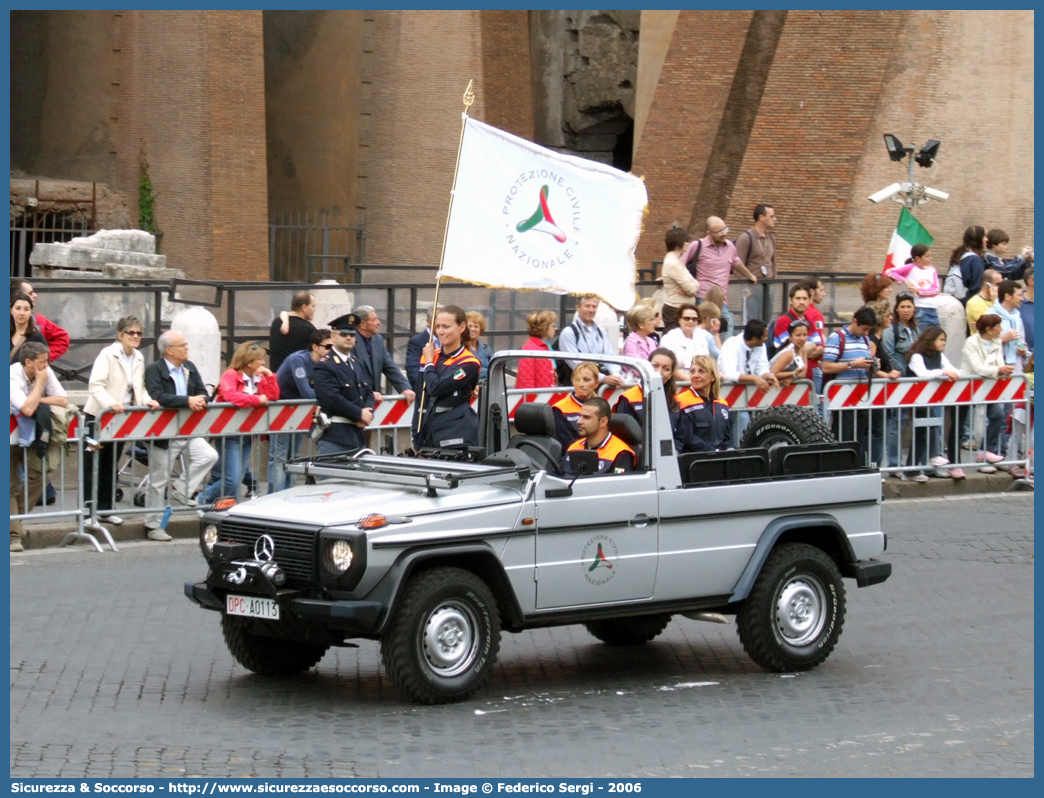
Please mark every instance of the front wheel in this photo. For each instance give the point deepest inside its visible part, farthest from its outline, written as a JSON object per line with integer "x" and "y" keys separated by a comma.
{"x": 268, "y": 656}
{"x": 794, "y": 614}
{"x": 444, "y": 637}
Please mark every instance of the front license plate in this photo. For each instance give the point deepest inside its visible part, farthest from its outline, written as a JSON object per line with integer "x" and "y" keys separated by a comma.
{"x": 251, "y": 607}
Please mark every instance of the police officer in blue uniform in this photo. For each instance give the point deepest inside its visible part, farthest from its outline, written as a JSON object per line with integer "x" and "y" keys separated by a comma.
{"x": 341, "y": 392}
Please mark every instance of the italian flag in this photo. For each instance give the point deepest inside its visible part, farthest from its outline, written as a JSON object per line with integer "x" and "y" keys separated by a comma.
{"x": 908, "y": 232}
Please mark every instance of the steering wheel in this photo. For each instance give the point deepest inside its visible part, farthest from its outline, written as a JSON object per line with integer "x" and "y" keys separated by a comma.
{"x": 554, "y": 468}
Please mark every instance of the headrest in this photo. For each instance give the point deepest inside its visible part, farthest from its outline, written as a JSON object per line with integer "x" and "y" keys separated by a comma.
{"x": 626, "y": 428}
{"x": 534, "y": 418}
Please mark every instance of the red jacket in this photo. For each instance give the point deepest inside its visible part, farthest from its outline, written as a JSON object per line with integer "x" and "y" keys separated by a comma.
{"x": 57, "y": 338}
{"x": 533, "y": 373}
{"x": 231, "y": 389}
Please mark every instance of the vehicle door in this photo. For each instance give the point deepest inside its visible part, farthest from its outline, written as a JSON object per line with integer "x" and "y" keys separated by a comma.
{"x": 600, "y": 544}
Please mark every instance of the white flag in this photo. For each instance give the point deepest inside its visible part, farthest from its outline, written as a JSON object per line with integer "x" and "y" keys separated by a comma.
{"x": 527, "y": 217}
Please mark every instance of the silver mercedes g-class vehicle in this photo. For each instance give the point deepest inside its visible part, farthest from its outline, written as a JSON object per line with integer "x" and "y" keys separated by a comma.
{"x": 436, "y": 555}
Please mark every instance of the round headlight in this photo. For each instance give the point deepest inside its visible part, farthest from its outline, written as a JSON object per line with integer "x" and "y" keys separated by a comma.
{"x": 210, "y": 536}
{"x": 341, "y": 555}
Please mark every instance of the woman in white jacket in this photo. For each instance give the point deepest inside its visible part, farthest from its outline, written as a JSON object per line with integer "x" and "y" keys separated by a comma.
{"x": 117, "y": 381}
{"x": 983, "y": 356}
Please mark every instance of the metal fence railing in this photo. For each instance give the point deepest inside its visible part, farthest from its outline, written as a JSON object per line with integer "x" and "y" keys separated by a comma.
{"x": 863, "y": 412}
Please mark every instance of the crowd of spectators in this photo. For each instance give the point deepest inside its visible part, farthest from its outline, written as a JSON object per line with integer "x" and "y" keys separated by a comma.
{"x": 688, "y": 336}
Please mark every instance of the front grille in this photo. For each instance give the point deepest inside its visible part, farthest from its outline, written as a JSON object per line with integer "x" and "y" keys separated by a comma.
{"x": 294, "y": 547}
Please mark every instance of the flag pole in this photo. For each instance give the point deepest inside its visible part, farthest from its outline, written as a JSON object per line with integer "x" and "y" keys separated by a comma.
{"x": 468, "y": 100}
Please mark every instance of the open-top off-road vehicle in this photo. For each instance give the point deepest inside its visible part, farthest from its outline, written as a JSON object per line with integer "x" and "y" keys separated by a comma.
{"x": 435, "y": 557}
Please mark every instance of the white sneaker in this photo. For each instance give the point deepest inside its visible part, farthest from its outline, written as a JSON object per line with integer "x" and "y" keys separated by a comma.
{"x": 92, "y": 523}
{"x": 988, "y": 469}
{"x": 115, "y": 520}
{"x": 938, "y": 461}
{"x": 942, "y": 473}
{"x": 159, "y": 534}
{"x": 900, "y": 475}
{"x": 921, "y": 478}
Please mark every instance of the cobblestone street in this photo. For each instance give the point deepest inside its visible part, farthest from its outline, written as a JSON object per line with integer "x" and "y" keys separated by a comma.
{"x": 115, "y": 673}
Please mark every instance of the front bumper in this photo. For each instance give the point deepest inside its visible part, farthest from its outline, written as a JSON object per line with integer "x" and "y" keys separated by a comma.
{"x": 868, "y": 572}
{"x": 348, "y": 617}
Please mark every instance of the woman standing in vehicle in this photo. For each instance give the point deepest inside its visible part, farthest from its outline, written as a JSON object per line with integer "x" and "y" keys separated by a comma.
{"x": 567, "y": 409}
{"x": 703, "y": 424}
{"x": 448, "y": 377}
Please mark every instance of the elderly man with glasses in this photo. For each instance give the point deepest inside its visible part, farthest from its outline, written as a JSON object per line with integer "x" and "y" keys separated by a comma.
{"x": 175, "y": 382}
{"x": 715, "y": 259}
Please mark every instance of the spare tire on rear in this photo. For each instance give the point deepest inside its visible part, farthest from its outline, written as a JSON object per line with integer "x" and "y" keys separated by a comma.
{"x": 785, "y": 425}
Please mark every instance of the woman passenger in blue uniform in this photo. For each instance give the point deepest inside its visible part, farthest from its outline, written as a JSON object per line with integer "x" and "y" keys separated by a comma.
{"x": 703, "y": 425}
{"x": 567, "y": 409}
{"x": 448, "y": 376}
{"x": 632, "y": 401}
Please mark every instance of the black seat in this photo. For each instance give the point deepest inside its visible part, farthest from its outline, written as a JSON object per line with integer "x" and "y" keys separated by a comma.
{"x": 734, "y": 465}
{"x": 535, "y": 423}
{"x": 815, "y": 458}
{"x": 627, "y": 429}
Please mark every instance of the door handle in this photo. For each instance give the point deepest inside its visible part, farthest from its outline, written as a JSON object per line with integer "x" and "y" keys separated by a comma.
{"x": 641, "y": 520}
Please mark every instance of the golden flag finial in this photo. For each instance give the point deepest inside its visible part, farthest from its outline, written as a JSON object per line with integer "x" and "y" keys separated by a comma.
{"x": 469, "y": 94}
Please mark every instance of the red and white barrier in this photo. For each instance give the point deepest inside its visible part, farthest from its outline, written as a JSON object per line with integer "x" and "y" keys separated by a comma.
{"x": 216, "y": 420}
{"x": 912, "y": 392}
{"x": 747, "y": 396}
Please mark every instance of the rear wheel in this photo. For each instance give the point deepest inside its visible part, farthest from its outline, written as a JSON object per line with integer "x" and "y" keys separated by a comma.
{"x": 794, "y": 614}
{"x": 444, "y": 637}
{"x": 631, "y": 631}
{"x": 268, "y": 656}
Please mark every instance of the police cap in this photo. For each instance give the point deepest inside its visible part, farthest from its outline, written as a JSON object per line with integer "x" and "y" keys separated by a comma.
{"x": 345, "y": 324}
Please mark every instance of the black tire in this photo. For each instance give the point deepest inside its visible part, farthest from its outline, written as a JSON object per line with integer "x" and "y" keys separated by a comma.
{"x": 793, "y": 617}
{"x": 632, "y": 631}
{"x": 785, "y": 425}
{"x": 139, "y": 499}
{"x": 268, "y": 656}
{"x": 118, "y": 494}
{"x": 443, "y": 638}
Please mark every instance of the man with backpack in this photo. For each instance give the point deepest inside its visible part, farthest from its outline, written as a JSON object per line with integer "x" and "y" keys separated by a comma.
{"x": 583, "y": 336}
{"x": 756, "y": 247}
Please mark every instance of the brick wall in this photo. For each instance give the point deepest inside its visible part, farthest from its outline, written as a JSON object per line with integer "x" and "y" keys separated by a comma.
{"x": 840, "y": 80}
{"x": 678, "y": 136}
{"x": 192, "y": 90}
{"x": 506, "y": 75}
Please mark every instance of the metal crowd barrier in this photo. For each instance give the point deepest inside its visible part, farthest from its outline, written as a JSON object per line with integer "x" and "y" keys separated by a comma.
{"x": 64, "y": 477}
{"x": 881, "y": 404}
{"x": 928, "y": 418}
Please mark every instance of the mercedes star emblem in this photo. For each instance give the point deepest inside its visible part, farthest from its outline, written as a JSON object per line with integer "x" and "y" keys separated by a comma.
{"x": 264, "y": 548}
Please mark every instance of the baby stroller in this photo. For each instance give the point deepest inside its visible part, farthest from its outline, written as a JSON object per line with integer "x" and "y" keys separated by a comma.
{"x": 129, "y": 474}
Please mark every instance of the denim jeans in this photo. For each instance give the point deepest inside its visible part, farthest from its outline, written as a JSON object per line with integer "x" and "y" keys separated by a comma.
{"x": 234, "y": 454}
{"x": 897, "y": 419}
{"x": 927, "y": 441}
{"x": 926, "y": 316}
{"x": 280, "y": 449}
